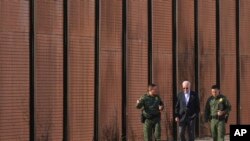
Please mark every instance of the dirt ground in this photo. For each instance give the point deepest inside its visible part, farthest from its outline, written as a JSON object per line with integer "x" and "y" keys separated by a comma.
{"x": 210, "y": 139}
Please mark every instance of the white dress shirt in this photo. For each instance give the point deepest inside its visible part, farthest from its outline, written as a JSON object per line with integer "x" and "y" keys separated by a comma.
{"x": 187, "y": 95}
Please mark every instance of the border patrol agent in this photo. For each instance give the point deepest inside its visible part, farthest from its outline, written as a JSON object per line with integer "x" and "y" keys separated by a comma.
{"x": 151, "y": 105}
{"x": 216, "y": 112}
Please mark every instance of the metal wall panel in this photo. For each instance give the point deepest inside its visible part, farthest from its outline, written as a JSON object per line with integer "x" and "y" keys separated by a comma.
{"x": 49, "y": 71}
{"x": 110, "y": 90}
{"x": 162, "y": 61}
{"x": 81, "y": 70}
{"x": 14, "y": 70}
{"x": 244, "y": 30}
{"x": 185, "y": 42}
{"x": 137, "y": 64}
{"x": 207, "y": 56}
{"x": 228, "y": 55}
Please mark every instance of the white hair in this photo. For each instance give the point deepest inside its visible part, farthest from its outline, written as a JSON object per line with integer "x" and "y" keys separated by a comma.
{"x": 186, "y": 83}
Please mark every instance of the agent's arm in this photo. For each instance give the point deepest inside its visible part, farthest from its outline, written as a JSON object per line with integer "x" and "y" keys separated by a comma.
{"x": 140, "y": 103}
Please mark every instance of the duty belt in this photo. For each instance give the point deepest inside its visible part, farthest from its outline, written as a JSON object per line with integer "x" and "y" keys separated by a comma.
{"x": 215, "y": 117}
{"x": 218, "y": 117}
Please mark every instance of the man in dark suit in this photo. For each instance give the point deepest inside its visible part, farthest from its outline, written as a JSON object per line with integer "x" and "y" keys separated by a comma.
{"x": 187, "y": 109}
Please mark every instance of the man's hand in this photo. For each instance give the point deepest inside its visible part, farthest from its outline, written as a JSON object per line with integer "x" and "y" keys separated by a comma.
{"x": 138, "y": 101}
{"x": 193, "y": 116}
{"x": 160, "y": 108}
{"x": 220, "y": 113}
{"x": 177, "y": 119}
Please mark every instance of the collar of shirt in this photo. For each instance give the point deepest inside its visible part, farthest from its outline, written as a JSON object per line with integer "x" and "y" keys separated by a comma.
{"x": 187, "y": 94}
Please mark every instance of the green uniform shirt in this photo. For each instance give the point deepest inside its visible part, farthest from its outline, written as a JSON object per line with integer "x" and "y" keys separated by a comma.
{"x": 214, "y": 104}
{"x": 150, "y": 105}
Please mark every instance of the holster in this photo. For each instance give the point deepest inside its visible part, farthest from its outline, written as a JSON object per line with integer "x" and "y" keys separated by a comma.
{"x": 143, "y": 118}
{"x": 226, "y": 118}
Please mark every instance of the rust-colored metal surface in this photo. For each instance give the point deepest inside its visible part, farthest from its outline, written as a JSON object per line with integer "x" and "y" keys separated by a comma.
{"x": 14, "y": 71}
{"x": 49, "y": 71}
{"x": 110, "y": 90}
{"x": 207, "y": 56}
{"x": 185, "y": 43}
{"x": 244, "y": 31}
{"x": 137, "y": 64}
{"x": 81, "y": 70}
{"x": 162, "y": 61}
{"x": 228, "y": 55}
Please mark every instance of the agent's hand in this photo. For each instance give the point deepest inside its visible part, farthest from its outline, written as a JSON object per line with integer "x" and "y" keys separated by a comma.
{"x": 177, "y": 119}
{"x": 160, "y": 108}
{"x": 220, "y": 113}
{"x": 138, "y": 101}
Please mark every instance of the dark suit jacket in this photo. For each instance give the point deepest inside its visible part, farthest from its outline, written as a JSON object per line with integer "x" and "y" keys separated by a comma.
{"x": 189, "y": 111}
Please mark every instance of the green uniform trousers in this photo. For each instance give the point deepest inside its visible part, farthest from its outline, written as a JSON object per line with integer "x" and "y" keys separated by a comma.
{"x": 218, "y": 129}
{"x": 150, "y": 127}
